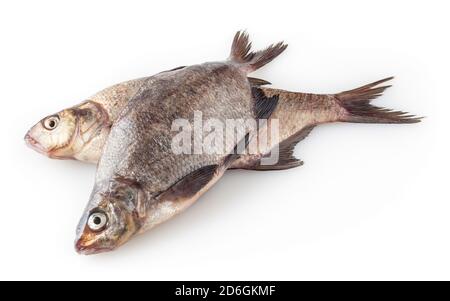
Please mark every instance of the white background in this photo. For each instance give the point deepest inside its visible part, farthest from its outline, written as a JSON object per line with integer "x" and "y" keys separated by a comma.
{"x": 370, "y": 203}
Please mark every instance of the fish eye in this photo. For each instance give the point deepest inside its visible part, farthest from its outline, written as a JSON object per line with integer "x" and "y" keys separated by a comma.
{"x": 97, "y": 221}
{"x": 129, "y": 196}
{"x": 51, "y": 122}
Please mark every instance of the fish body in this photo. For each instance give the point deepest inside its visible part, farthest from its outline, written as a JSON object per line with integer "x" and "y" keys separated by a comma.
{"x": 144, "y": 128}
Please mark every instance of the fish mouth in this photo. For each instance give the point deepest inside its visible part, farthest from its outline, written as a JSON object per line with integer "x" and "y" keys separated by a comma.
{"x": 88, "y": 249}
{"x": 35, "y": 145}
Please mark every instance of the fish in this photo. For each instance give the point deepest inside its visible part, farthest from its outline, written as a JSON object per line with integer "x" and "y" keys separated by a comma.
{"x": 140, "y": 181}
{"x": 80, "y": 132}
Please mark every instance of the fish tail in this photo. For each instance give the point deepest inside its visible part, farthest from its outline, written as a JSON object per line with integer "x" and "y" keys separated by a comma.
{"x": 241, "y": 53}
{"x": 358, "y": 108}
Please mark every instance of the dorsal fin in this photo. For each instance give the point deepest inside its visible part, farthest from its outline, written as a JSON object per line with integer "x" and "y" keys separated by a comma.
{"x": 241, "y": 53}
{"x": 173, "y": 69}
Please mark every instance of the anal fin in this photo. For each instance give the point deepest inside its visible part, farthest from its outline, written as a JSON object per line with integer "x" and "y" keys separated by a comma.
{"x": 286, "y": 158}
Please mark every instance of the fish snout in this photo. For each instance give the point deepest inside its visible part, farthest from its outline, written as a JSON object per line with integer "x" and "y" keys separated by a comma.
{"x": 34, "y": 144}
{"x": 86, "y": 249}
{"x": 80, "y": 247}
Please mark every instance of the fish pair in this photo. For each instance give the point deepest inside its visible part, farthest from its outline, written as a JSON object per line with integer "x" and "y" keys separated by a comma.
{"x": 127, "y": 129}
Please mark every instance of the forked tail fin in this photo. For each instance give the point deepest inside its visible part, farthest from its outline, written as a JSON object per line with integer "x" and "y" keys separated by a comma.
{"x": 357, "y": 104}
{"x": 241, "y": 52}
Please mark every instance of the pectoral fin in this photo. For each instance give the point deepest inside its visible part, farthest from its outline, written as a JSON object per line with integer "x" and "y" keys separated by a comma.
{"x": 191, "y": 184}
{"x": 263, "y": 106}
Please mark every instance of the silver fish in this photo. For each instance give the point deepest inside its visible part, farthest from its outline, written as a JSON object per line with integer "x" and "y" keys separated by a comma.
{"x": 80, "y": 132}
{"x": 140, "y": 182}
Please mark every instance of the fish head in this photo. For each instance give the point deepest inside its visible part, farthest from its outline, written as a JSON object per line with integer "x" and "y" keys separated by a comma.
{"x": 110, "y": 219}
{"x": 65, "y": 134}
{"x": 52, "y": 134}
